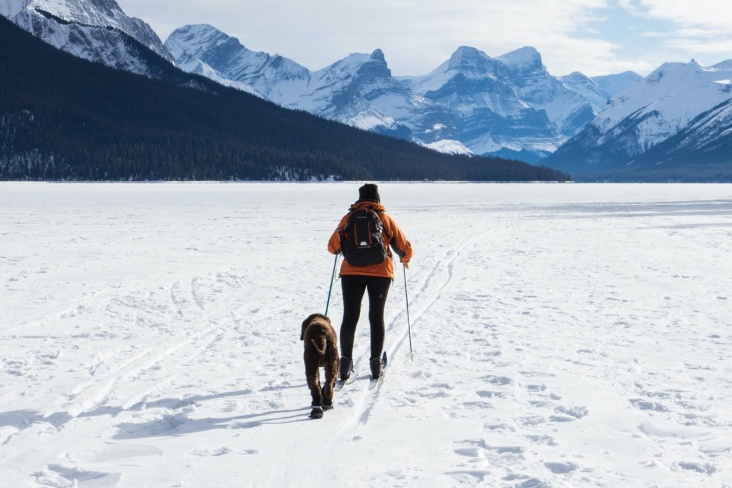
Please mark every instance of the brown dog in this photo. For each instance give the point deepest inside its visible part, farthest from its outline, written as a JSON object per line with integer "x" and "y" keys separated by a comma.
{"x": 321, "y": 350}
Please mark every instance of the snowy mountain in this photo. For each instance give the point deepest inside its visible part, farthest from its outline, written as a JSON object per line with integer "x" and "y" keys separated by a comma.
{"x": 699, "y": 152}
{"x": 96, "y": 30}
{"x": 64, "y": 118}
{"x": 569, "y": 109}
{"x": 473, "y": 104}
{"x": 358, "y": 90}
{"x": 659, "y": 108}
{"x": 509, "y": 106}
{"x": 613, "y": 85}
{"x": 204, "y": 50}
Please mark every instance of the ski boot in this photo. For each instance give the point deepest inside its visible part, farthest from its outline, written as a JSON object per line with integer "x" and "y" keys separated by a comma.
{"x": 346, "y": 368}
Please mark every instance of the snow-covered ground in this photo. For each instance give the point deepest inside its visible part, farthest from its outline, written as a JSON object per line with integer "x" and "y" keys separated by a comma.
{"x": 564, "y": 336}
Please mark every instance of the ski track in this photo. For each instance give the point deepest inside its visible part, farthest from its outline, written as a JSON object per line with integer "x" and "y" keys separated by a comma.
{"x": 359, "y": 399}
{"x": 198, "y": 372}
{"x": 397, "y": 328}
{"x": 111, "y": 378}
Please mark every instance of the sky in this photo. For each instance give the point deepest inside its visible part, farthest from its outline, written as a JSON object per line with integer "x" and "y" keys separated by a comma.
{"x": 595, "y": 37}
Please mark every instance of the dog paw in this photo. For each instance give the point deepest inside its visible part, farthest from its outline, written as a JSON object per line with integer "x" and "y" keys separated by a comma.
{"x": 316, "y": 413}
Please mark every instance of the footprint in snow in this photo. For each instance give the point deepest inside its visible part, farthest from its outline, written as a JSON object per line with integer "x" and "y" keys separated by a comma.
{"x": 648, "y": 405}
{"x": 57, "y": 475}
{"x": 490, "y": 394}
{"x": 703, "y": 468}
{"x": 568, "y": 414}
{"x": 498, "y": 380}
{"x": 543, "y": 440}
{"x": 561, "y": 468}
{"x": 576, "y": 412}
{"x": 478, "y": 449}
{"x": 531, "y": 421}
{"x": 223, "y": 451}
{"x": 499, "y": 427}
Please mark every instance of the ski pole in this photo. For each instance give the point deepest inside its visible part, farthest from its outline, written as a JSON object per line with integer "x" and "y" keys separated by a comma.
{"x": 330, "y": 290}
{"x": 409, "y": 322}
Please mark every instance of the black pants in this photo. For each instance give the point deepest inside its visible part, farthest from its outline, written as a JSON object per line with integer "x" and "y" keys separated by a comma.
{"x": 353, "y": 290}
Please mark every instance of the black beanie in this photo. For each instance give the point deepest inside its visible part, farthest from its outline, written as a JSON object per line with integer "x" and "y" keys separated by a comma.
{"x": 369, "y": 192}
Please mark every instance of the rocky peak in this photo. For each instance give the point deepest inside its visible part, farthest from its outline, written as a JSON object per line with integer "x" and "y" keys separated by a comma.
{"x": 523, "y": 60}
{"x": 470, "y": 59}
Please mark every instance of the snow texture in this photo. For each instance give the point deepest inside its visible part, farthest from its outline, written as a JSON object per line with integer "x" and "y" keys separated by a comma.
{"x": 614, "y": 85}
{"x": 564, "y": 335}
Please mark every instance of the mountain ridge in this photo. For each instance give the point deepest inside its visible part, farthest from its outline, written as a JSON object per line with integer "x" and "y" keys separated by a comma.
{"x": 93, "y": 31}
{"x": 474, "y": 104}
{"x": 457, "y": 106}
{"x": 64, "y": 118}
{"x": 358, "y": 90}
{"x": 640, "y": 127}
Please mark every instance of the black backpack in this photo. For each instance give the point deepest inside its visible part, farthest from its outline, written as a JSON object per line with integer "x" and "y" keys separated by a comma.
{"x": 362, "y": 238}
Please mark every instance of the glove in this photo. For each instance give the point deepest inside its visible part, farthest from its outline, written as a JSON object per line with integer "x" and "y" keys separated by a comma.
{"x": 406, "y": 263}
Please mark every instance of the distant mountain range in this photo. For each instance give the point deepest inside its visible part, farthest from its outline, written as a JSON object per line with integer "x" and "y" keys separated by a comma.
{"x": 473, "y": 104}
{"x": 63, "y": 118}
{"x": 673, "y": 124}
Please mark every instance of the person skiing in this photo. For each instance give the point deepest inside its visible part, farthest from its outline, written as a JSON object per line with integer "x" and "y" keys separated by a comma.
{"x": 375, "y": 278}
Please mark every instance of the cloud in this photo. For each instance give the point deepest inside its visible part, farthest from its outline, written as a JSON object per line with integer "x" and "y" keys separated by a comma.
{"x": 630, "y": 7}
{"x": 415, "y": 35}
{"x": 702, "y": 47}
{"x": 701, "y": 26}
{"x": 418, "y": 35}
{"x": 714, "y": 14}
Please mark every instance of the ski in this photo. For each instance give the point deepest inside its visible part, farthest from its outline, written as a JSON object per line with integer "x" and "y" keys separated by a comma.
{"x": 374, "y": 382}
{"x": 341, "y": 383}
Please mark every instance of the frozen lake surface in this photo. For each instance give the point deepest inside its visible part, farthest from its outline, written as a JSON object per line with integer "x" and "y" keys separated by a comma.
{"x": 564, "y": 335}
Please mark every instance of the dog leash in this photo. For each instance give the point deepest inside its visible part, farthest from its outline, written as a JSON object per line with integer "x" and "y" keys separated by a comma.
{"x": 330, "y": 289}
{"x": 409, "y": 322}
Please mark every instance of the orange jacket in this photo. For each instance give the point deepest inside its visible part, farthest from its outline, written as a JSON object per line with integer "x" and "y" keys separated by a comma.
{"x": 394, "y": 238}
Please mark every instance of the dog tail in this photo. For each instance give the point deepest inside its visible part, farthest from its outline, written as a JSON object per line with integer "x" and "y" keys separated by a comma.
{"x": 321, "y": 351}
